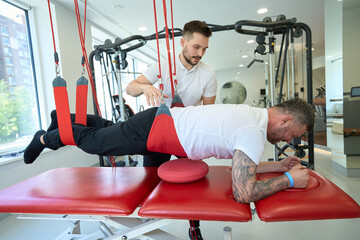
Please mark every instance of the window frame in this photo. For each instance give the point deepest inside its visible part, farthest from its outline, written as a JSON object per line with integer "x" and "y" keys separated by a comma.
{"x": 6, "y": 151}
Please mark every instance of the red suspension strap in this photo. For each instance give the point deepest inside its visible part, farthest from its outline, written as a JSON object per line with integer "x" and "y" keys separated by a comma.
{"x": 173, "y": 41}
{"x": 61, "y": 98}
{"x": 82, "y": 82}
{"x": 53, "y": 37}
{"x": 168, "y": 49}
{"x": 86, "y": 58}
{"x": 161, "y": 85}
{"x": 60, "y": 92}
{"x": 81, "y": 89}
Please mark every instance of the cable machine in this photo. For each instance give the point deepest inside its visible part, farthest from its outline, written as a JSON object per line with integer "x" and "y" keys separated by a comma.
{"x": 289, "y": 30}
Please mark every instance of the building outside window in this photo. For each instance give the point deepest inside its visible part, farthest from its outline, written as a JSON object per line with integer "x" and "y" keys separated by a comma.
{"x": 4, "y": 31}
{"x": 11, "y": 81}
{"x": 10, "y": 71}
{"x": 7, "y": 51}
{"x": 8, "y": 61}
{"x": 6, "y": 41}
{"x": 19, "y": 112}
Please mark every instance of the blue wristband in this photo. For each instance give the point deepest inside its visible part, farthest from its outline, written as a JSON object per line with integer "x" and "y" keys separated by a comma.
{"x": 290, "y": 179}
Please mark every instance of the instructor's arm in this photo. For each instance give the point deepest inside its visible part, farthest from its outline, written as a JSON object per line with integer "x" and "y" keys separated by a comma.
{"x": 142, "y": 85}
{"x": 208, "y": 100}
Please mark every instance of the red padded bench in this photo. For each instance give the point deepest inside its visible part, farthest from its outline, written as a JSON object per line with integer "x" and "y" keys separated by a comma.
{"x": 320, "y": 200}
{"x": 120, "y": 191}
{"x": 211, "y": 198}
{"x": 90, "y": 191}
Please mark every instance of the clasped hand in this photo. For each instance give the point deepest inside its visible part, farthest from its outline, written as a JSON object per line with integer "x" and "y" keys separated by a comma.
{"x": 153, "y": 95}
{"x": 299, "y": 173}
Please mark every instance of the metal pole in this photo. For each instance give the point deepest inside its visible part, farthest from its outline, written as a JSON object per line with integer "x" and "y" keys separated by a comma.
{"x": 309, "y": 79}
{"x": 292, "y": 66}
{"x": 122, "y": 108}
{"x": 288, "y": 75}
{"x": 103, "y": 87}
{"x": 272, "y": 89}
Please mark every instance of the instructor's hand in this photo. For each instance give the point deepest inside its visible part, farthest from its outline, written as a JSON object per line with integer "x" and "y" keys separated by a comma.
{"x": 153, "y": 95}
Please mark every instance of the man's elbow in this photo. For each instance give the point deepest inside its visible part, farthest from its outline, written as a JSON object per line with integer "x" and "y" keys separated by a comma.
{"x": 130, "y": 90}
{"x": 243, "y": 200}
{"x": 241, "y": 197}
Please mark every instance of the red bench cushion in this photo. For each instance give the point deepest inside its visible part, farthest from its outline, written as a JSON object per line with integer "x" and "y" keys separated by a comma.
{"x": 210, "y": 198}
{"x": 320, "y": 200}
{"x": 90, "y": 191}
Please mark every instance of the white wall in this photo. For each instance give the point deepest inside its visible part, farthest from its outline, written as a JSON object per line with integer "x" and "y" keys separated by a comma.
{"x": 333, "y": 54}
{"x": 351, "y": 32}
{"x": 351, "y": 67}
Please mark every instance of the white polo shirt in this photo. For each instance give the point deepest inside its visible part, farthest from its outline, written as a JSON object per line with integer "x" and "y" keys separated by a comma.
{"x": 192, "y": 85}
{"x": 218, "y": 130}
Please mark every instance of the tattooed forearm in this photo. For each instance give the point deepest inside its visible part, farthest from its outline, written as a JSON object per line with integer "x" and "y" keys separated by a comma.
{"x": 243, "y": 176}
{"x": 268, "y": 187}
{"x": 245, "y": 187}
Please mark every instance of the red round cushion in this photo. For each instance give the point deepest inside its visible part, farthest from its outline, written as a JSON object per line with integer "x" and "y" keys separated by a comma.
{"x": 183, "y": 170}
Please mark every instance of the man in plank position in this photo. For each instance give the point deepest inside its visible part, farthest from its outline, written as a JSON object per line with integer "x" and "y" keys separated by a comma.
{"x": 221, "y": 131}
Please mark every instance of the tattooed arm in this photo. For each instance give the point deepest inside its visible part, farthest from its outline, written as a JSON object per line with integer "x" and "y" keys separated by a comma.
{"x": 245, "y": 187}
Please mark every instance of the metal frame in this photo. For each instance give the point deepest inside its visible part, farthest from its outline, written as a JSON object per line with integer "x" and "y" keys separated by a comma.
{"x": 126, "y": 227}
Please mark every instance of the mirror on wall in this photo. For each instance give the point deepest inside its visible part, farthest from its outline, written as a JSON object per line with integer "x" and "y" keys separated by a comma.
{"x": 232, "y": 93}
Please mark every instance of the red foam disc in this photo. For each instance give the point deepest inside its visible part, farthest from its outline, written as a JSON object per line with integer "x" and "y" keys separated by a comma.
{"x": 183, "y": 170}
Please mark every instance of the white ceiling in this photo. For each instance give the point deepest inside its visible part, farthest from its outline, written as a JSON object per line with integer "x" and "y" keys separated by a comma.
{"x": 122, "y": 18}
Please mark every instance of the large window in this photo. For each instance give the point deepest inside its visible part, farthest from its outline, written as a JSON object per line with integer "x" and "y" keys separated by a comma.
{"x": 19, "y": 113}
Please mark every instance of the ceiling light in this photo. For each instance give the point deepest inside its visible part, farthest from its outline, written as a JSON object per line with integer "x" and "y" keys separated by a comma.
{"x": 312, "y": 49}
{"x": 118, "y": 7}
{"x": 241, "y": 65}
{"x": 329, "y": 56}
{"x": 251, "y": 41}
{"x": 262, "y": 10}
{"x": 142, "y": 29}
{"x": 238, "y": 73}
{"x": 266, "y": 63}
{"x": 244, "y": 56}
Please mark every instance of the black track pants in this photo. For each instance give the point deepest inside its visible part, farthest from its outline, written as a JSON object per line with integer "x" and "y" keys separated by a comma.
{"x": 125, "y": 138}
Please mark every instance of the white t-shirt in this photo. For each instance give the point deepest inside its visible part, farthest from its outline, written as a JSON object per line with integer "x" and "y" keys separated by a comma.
{"x": 217, "y": 130}
{"x": 192, "y": 85}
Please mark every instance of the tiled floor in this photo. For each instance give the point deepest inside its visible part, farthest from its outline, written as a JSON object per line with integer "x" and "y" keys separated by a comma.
{"x": 346, "y": 229}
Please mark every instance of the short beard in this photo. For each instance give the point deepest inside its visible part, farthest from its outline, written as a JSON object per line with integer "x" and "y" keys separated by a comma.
{"x": 276, "y": 135}
{"x": 188, "y": 60}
